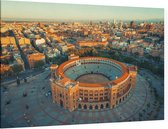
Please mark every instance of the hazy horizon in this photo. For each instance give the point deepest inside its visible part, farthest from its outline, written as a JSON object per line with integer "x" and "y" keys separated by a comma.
{"x": 29, "y": 11}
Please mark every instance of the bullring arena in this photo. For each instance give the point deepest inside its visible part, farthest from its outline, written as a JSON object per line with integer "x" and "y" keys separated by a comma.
{"x": 91, "y": 83}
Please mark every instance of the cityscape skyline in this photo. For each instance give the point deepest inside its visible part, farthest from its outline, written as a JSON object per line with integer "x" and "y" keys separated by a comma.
{"x": 11, "y": 11}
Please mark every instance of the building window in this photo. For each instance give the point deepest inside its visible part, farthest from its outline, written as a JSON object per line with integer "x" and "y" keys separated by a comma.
{"x": 86, "y": 99}
{"x": 96, "y": 98}
{"x": 116, "y": 102}
{"x": 86, "y": 91}
{"x": 105, "y": 97}
{"x": 60, "y": 95}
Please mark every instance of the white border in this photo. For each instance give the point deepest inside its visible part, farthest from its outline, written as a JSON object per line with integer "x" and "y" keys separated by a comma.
{"x": 134, "y": 3}
{"x": 130, "y": 3}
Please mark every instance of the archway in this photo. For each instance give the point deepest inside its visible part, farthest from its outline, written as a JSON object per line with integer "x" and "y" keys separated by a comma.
{"x": 61, "y": 103}
{"x": 107, "y": 105}
{"x": 90, "y": 107}
{"x": 85, "y": 106}
{"x": 101, "y": 106}
{"x": 96, "y": 107}
{"x": 79, "y": 106}
{"x": 60, "y": 95}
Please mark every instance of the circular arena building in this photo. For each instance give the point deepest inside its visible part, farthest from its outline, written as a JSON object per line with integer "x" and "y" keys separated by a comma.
{"x": 91, "y": 83}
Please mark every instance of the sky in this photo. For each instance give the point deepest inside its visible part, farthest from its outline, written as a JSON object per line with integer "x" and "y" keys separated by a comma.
{"x": 54, "y": 11}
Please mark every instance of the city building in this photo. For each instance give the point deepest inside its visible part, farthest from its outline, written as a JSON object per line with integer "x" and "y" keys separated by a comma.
{"x": 138, "y": 50}
{"x": 91, "y": 43}
{"x": 73, "y": 56}
{"x": 6, "y": 70}
{"x": 62, "y": 47}
{"x": 5, "y": 41}
{"x": 24, "y": 41}
{"x": 34, "y": 58}
{"x": 20, "y": 62}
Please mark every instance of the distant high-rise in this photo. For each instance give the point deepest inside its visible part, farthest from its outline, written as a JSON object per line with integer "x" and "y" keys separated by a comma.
{"x": 120, "y": 24}
{"x": 114, "y": 21}
{"x": 41, "y": 25}
{"x": 132, "y": 24}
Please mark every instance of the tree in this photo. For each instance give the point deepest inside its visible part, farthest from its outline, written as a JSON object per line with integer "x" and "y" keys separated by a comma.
{"x": 17, "y": 68}
{"x": 7, "y": 102}
{"x": 94, "y": 52}
{"x": 136, "y": 53}
{"x": 27, "y": 106}
{"x": 39, "y": 64}
{"x": 140, "y": 115}
{"x": 148, "y": 105}
{"x": 144, "y": 110}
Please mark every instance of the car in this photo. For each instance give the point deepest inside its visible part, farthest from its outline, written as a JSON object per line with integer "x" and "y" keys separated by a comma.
{"x": 49, "y": 92}
{"x": 24, "y": 94}
{"x": 5, "y": 92}
{"x": 28, "y": 121}
{"x": 8, "y": 102}
{"x": 46, "y": 94}
{"x": 47, "y": 68}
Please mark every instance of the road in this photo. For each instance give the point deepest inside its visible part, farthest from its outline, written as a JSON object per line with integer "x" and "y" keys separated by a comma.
{"x": 24, "y": 58}
{"x": 156, "y": 82}
{"x": 23, "y": 75}
{"x": 43, "y": 112}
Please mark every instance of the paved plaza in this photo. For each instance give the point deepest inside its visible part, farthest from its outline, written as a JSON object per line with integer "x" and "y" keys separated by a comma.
{"x": 30, "y": 104}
